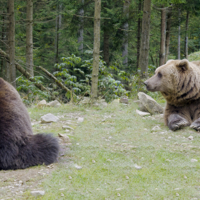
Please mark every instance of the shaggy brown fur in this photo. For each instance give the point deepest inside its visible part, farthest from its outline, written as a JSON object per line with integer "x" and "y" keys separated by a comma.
{"x": 179, "y": 83}
{"x": 19, "y": 148}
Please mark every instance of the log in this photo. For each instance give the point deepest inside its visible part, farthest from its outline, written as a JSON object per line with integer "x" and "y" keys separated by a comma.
{"x": 29, "y": 77}
{"x": 54, "y": 78}
{"x": 23, "y": 71}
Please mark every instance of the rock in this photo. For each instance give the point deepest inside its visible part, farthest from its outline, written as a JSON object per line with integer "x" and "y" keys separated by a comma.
{"x": 100, "y": 102}
{"x": 115, "y": 101}
{"x": 65, "y": 138}
{"x": 141, "y": 106}
{"x": 156, "y": 128}
{"x": 137, "y": 167}
{"x": 42, "y": 103}
{"x": 142, "y": 113}
{"x": 190, "y": 137}
{"x": 194, "y": 160}
{"x": 37, "y": 193}
{"x": 124, "y": 100}
{"x": 49, "y": 118}
{"x": 55, "y": 104}
{"x": 80, "y": 119}
{"x": 150, "y": 104}
{"x": 67, "y": 127}
{"x": 77, "y": 167}
{"x": 86, "y": 100}
{"x": 127, "y": 177}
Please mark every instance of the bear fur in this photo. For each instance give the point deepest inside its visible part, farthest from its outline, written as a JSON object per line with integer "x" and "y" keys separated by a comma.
{"x": 179, "y": 83}
{"x": 19, "y": 148}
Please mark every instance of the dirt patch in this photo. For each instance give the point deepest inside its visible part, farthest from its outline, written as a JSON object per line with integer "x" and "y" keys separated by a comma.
{"x": 13, "y": 183}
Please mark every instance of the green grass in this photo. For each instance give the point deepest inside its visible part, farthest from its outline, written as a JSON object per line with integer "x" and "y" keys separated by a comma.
{"x": 109, "y": 143}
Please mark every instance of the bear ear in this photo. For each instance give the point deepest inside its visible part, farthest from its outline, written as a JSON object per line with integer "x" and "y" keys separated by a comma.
{"x": 183, "y": 65}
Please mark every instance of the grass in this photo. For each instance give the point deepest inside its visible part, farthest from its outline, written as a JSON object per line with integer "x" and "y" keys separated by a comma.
{"x": 108, "y": 144}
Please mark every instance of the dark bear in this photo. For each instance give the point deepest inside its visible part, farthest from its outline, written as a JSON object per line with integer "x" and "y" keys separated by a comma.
{"x": 179, "y": 83}
{"x": 19, "y": 148}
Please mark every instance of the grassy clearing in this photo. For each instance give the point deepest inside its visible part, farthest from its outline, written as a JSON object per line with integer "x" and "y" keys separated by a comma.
{"x": 108, "y": 144}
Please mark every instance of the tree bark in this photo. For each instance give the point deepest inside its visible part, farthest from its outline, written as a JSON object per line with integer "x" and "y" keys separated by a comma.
{"x": 3, "y": 40}
{"x": 96, "y": 49}
{"x": 186, "y": 35}
{"x": 139, "y": 31}
{"x": 163, "y": 37}
{"x": 81, "y": 27}
{"x": 144, "y": 45}
{"x": 29, "y": 37}
{"x": 11, "y": 42}
{"x": 55, "y": 79}
{"x": 21, "y": 69}
{"x": 106, "y": 44}
{"x": 179, "y": 34}
{"x": 57, "y": 36}
{"x": 29, "y": 77}
{"x": 125, "y": 28}
{"x": 168, "y": 29}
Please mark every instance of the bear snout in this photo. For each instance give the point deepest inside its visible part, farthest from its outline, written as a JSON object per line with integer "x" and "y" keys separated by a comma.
{"x": 146, "y": 84}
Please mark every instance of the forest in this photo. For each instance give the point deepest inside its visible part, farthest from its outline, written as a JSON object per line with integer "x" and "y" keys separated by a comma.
{"x": 69, "y": 49}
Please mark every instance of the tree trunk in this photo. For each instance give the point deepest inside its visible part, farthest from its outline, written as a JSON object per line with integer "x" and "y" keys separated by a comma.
{"x": 58, "y": 26}
{"x": 106, "y": 43}
{"x": 125, "y": 28}
{"x": 179, "y": 34}
{"x": 186, "y": 35}
{"x": 11, "y": 42}
{"x": 7, "y": 67}
{"x": 168, "y": 29}
{"x": 29, "y": 77}
{"x": 3, "y": 41}
{"x": 96, "y": 49}
{"x": 139, "y": 31}
{"x": 29, "y": 37}
{"x": 81, "y": 27}
{"x": 144, "y": 45}
{"x": 5, "y": 56}
{"x": 163, "y": 37}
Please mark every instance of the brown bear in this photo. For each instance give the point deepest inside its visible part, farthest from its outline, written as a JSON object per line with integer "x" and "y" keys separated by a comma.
{"x": 19, "y": 148}
{"x": 179, "y": 83}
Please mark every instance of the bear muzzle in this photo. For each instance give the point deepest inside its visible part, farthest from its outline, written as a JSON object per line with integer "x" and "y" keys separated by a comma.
{"x": 146, "y": 83}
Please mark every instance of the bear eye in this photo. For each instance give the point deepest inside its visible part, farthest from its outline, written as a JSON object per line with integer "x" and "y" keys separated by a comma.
{"x": 159, "y": 75}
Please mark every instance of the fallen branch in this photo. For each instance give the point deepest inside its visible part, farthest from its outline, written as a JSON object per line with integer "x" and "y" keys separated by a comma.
{"x": 29, "y": 77}
{"x": 54, "y": 78}
{"x": 23, "y": 71}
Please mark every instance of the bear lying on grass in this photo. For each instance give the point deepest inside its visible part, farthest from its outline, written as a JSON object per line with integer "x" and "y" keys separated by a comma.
{"x": 19, "y": 148}
{"x": 179, "y": 83}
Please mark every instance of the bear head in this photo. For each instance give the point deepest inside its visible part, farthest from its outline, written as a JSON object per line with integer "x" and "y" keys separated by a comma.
{"x": 177, "y": 80}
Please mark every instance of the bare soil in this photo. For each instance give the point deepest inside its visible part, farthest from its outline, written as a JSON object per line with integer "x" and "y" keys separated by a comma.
{"x": 13, "y": 183}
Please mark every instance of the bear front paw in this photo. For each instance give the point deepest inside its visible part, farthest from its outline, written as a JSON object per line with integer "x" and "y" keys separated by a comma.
{"x": 176, "y": 122}
{"x": 195, "y": 126}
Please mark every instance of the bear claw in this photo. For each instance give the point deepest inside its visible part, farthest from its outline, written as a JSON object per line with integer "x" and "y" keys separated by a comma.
{"x": 195, "y": 127}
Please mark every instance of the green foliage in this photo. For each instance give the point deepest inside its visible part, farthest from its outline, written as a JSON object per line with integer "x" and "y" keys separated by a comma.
{"x": 75, "y": 73}
{"x": 29, "y": 92}
{"x": 194, "y": 56}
